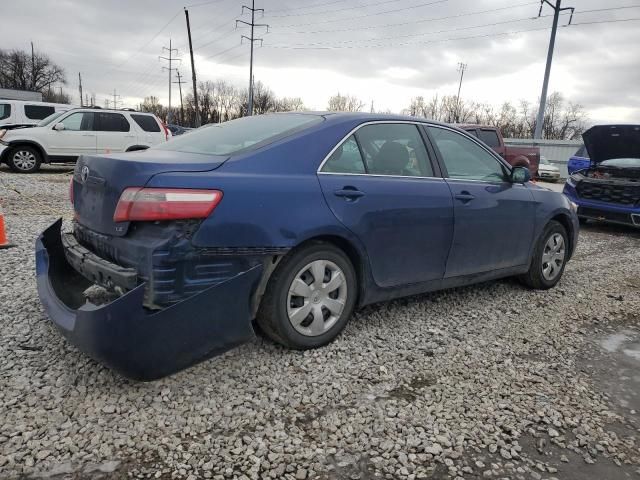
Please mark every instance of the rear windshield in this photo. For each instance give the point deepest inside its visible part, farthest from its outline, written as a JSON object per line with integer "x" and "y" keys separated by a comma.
{"x": 146, "y": 122}
{"x": 240, "y": 134}
{"x": 5, "y": 110}
{"x": 582, "y": 152}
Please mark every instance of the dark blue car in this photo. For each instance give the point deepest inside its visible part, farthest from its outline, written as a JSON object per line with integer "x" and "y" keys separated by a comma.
{"x": 291, "y": 220}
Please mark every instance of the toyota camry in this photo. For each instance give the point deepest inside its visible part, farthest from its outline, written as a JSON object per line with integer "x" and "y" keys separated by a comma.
{"x": 289, "y": 221}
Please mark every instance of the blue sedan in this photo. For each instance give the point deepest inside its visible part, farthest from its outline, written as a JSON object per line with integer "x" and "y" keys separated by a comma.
{"x": 290, "y": 220}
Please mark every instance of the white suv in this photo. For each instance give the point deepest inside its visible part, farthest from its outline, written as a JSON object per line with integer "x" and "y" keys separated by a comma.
{"x": 64, "y": 136}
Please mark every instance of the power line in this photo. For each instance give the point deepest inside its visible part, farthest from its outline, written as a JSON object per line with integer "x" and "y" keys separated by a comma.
{"x": 289, "y": 9}
{"x": 377, "y": 41}
{"x": 358, "y": 7}
{"x": 401, "y": 24}
{"x": 445, "y": 40}
{"x": 363, "y": 16}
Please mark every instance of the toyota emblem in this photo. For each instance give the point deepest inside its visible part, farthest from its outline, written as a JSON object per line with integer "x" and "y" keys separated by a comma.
{"x": 84, "y": 173}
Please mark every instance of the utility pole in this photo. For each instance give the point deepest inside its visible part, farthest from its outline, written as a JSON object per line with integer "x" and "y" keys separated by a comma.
{"x": 115, "y": 99}
{"x": 33, "y": 68}
{"x": 545, "y": 84}
{"x": 80, "y": 87}
{"x": 461, "y": 68}
{"x": 252, "y": 40}
{"x": 193, "y": 70}
{"x": 170, "y": 68}
{"x": 180, "y": 82}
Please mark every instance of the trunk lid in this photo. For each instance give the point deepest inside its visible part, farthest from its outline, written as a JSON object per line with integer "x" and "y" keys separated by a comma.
{"x": 98, "y": 181}
{"x": 604, "y": 142}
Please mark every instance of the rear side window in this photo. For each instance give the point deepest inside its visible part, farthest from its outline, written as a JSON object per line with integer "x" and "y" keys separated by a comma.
{"x": 490, "y": 137}
{"x": 112, "y": 122}
{"x": 240, "y": 134}
{"x": 472, "y": 132}
{"x": 146, "y": 122}
{"x": 345, "y": 159}
{"x": 395, "y": 149}
{"x": 38, "y": 112}
{"x": 5, "y": 110}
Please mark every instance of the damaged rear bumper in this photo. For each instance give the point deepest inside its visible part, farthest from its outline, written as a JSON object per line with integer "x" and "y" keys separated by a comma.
{"x": 142, "y": 344}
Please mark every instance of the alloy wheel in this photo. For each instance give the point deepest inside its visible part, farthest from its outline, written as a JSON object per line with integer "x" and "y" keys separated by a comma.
{"x": 316, "y": 298}
{"x": 24, "y": 160}
{"x": 553, "y": 257}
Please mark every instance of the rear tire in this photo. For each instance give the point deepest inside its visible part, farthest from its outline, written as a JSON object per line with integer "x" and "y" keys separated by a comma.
{"x": 24, "y": 159}
{"x": 549, "y": 258}
{"x": 299, "y": 309}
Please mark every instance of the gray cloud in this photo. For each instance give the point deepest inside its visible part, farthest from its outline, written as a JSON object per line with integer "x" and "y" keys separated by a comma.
{"x": 111, "y": 43}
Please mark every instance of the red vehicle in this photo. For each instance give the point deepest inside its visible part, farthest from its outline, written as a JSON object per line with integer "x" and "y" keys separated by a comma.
{"x": 517, "y": 156}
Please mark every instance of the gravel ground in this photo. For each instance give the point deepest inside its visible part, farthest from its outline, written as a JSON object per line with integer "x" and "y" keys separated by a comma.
{"x": 491, "y": 381}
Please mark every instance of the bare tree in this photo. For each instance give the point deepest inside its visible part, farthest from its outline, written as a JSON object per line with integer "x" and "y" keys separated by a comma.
{"x": 345, "y": 103}
{"x": 563, "y": 120}
{"x": 22, "y": 71}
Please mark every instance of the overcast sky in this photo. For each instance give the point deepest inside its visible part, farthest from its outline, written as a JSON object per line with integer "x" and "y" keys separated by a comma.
{"x": 385, "y": 51}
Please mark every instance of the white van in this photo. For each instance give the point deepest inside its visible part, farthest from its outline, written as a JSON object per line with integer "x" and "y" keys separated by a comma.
{"x": 19, "y": 113}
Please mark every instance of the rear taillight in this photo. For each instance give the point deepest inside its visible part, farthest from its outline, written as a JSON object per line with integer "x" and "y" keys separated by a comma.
{"x": 71, "y": 191}
{"x": 167, "y": 133}
{"x": 151, "y": 204}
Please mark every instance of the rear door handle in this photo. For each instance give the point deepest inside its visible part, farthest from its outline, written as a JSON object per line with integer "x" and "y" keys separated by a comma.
{"x": 349, "y": 193}
{"x": 464, "y": 196}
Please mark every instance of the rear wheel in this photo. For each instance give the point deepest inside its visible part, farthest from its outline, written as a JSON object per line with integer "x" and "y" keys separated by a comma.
{"x": 24, "y": 159}
{"x": 309, "y": 298}
{"x": 549, "y": 258}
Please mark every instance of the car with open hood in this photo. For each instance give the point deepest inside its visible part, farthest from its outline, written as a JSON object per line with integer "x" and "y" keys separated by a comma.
{"x": 290, "y": 220}
{"x": 609, "y": 189}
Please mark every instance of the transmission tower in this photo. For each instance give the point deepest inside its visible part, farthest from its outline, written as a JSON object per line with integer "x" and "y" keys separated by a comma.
{"x": 170, "y": 69}
{"x": 252, "y": 40}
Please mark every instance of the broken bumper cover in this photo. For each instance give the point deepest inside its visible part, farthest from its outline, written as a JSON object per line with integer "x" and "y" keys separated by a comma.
{"x": 142, "y": 344}
{"x": 603, "y": 211}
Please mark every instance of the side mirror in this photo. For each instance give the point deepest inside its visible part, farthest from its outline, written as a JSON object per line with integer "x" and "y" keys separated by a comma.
{"x": 520, "y": 175}
{"x": 59, "y": 126}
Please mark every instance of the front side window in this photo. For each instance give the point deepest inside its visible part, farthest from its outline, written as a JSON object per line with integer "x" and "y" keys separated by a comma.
{"x": 345, "y": 159}
{"x": 5, "y": 110}
{"x": 394, "y": 149}
{"x": 490, "y": 137}
{"x": 464, "y": 159}
{"x": 38, "y": 112}
{"x": 113, "y": 122}
{"x": 79, "y": 122}
{"x": 241, "y": 134}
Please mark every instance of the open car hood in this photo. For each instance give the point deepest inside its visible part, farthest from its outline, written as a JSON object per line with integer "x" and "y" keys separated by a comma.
{"x": 605, "y": 142}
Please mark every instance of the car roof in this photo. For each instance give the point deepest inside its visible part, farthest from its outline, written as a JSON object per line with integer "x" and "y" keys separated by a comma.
{"x": 110, "y": 110}
{"x": 339, "y": 117}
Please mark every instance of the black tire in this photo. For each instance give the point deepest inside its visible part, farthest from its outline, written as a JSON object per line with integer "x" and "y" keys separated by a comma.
{"x": 534, "y": 278}
{"x": 24, "y": 159}
{"x": 272, "y": 316}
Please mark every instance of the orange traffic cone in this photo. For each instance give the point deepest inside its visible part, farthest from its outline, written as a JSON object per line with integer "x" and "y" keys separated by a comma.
{"x": 4, "y": 242}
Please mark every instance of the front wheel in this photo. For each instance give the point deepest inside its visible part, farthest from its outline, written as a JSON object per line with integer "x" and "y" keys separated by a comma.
{"x": 549, "y": 258}
{"x": 309, "y": 298}
{"x": 24, "y": 159}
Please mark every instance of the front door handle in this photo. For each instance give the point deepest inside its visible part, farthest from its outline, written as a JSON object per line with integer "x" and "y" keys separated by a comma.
{"x": 349, "y": 193}
{"x": 464, "y": 196}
